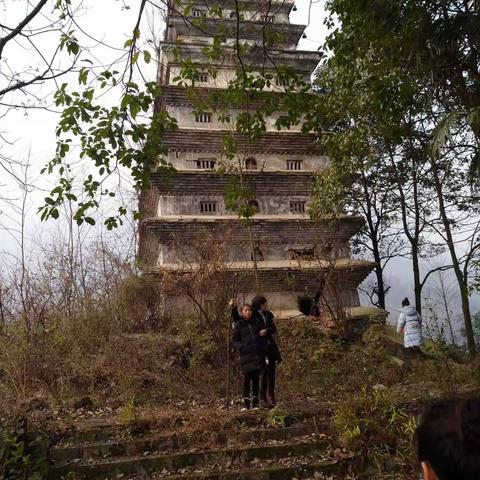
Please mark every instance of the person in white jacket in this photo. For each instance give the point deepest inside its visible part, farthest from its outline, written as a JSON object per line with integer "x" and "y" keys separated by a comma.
{"x": 410, "y": 324}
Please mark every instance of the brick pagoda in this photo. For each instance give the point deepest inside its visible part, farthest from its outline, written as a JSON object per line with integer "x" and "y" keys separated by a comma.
{"x": 293, "y": 252}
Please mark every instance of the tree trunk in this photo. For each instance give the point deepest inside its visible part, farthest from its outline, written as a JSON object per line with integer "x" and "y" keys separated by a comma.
{"x": 413, "y": 239}
{"x": 379, "y": 275}
{"x": 467, "y": 317}
{"x": 417, "y": 284}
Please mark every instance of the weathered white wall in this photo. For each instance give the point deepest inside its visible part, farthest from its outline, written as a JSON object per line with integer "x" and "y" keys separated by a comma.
{"x": 257, "y": 15}
{"x": 190, "y": 205}
{"x": 229, "y": 41}
{"x": 185, "y": 117}
{"x": 186, "y": 255}
{"x": 277, "y": 301}
{"x": 223, "y": 77}
{"x": 271, "y": 162}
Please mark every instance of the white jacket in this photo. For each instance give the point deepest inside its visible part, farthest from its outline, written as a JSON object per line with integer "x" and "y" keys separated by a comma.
{"x": 411, "y": 321}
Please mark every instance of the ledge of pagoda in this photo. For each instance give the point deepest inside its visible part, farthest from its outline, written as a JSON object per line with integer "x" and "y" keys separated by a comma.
{"x": 268, "y": 229}
{"x": 280, "y": 143}
{"x": 245, "y": 173}
{"x": 295, "y": 218}
{"x": 260, "y": 183}
{"x": 249, "y": 30}
{"x": 174, "y": 95}
{"x": 277, "y": 276}
{"x": 378, "y": 315}
{"x": 279, "y": 5}
{"x": 277, "y": 266}
{"x": 303, "y": 61}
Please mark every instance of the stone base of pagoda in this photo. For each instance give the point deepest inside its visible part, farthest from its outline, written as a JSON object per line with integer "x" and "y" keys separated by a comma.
{"x": 357, "y": 318}
{"x": 287, "y": 284}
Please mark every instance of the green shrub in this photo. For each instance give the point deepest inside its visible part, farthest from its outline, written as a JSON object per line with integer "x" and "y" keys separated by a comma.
{"x": 371, "y": 425}
{"x": 277, "y": 417}
{"x": 23, "y": 456}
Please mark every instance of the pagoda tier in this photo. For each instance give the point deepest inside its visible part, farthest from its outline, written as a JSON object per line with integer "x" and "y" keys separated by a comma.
{"x": 283, "y": 282}
{"x": 276, "y": 237}
{"x": 172, "y": 55}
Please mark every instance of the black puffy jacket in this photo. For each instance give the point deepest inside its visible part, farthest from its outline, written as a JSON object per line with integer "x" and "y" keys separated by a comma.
{"x": 252, "y": 346}
{"x": 267, "y": 322}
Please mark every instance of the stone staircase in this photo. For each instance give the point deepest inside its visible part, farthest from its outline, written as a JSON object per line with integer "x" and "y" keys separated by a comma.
{"x": 302, "y": 450}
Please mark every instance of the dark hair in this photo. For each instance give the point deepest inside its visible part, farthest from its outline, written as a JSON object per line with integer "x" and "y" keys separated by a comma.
{"x": 258, "y": 301}
{"x": 448, "y": 438}
{"x": 405, "y": 302}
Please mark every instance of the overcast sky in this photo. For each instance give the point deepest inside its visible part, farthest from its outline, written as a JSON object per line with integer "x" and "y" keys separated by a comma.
{"x": 31, "y": 133}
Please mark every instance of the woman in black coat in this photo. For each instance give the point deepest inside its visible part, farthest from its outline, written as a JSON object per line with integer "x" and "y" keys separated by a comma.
{"x": 268, "y": 330}
{"x": 251, "y": 343}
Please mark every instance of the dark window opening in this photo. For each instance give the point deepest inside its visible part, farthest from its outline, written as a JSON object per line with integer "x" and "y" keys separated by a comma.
{"x": 206, "y": 163}
{"x": 305, "y": 304}
{"x": 202, "y": 77}
{"x": 250, "y": 164}
{"x": 298, "y": 206}
{"x": 208, "y": 207}
{"x": 294, "y": 164}
{"x": 203, "y": 118}
{"x": 197, "y": 13}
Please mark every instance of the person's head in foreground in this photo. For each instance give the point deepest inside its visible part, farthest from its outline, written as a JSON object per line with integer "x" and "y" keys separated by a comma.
{"x": 448, "y": 440}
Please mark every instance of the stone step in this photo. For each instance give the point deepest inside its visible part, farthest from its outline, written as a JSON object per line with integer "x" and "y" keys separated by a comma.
{"x": 311, "y": 469}
{"x": 111, "y": 431}
{"x": 166, "y": 443}
{"x": 148, "y": 464}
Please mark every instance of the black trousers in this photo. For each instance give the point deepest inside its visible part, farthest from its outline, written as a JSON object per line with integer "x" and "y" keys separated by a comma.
{"x": 267, "y": 383}
{"x": 251, "y": 383}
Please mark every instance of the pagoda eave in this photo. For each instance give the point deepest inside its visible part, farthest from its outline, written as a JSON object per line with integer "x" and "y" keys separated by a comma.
{"x": 173, "y": 95}
{"x": 304, "y": 61}
{"x": 204, "y": 182}
{"x": 294, "y": 266}
{"x": 280, "y": 143}
{"x": 279, "y": 277}
{"x": 284, "y": 6}
{"x": 251, "y": 30}
{"x": 233, "y": 219}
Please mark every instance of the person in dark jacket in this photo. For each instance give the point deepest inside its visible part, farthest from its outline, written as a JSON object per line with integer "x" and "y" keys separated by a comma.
{"x": 252, "y": 346}
{"x": 269, "y": 329}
